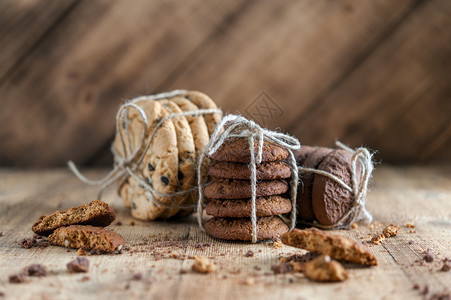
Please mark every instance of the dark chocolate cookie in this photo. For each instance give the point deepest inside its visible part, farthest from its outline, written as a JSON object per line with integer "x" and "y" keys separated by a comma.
{"x": 265, "y": 171}
{"x": 241, "y": 189}
{"x": 241, "y": 208}
{"x": 237, "y": 150}
{"x": 241, "y": 228}
{"x": 96, "y": 213}
{"x": 302, "y": 154}
{"x": 329, "y": 199}
{"x": 304, "y": 196}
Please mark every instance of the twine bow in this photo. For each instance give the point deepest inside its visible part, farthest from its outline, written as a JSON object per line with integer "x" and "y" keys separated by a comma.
{"x": 127, "y": 165}
{"x": 359, "y": 190}
{"x": 240, "y": 127}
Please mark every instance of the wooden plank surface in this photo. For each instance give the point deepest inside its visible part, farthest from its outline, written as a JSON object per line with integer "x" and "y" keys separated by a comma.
{"x": 364, "y": 72}
{"x": 420, "y": 195}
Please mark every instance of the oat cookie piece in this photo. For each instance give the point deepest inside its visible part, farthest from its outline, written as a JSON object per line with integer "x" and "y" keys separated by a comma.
{"x": 203, "y": 265}
{"x": 88, "y": 237}
{"x": 265, "y": 171}
{"x": 330, "y": 200}
{"x": 325, "y": 269}
{"x": 96, "y": 213}
{"x": 241, "y": 228}
{"x": 241, "y": 208}
{"x": 241, "y": 189}
{"x": 336, "y": 246}
{"x": 237, "y": 150}
{"x": 304, "y": 195}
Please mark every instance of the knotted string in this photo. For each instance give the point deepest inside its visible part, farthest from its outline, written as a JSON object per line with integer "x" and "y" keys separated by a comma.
{"x": 240, "y": 127}
{"x": 127, "y": 166}
{"x": 359, "y": 190}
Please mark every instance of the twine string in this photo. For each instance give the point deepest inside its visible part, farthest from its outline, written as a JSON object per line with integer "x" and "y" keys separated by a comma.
{"x": 127, "y": 165}
{"x": 240, "y": 127}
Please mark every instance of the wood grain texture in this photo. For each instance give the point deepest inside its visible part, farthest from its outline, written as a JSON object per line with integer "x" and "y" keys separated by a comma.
{"x": 420, "y": 195}
{"x": 372, "y": 73}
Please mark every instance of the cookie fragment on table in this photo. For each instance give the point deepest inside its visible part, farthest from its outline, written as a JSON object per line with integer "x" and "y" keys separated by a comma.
{"x": 325, "y": 269}
{"x": 88, "y": 237}
{"x": 96, "y": 213}
{"x": 336, "y": 246}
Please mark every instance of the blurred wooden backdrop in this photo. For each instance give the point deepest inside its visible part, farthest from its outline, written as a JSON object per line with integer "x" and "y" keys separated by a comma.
{"x": 374, "y": 73}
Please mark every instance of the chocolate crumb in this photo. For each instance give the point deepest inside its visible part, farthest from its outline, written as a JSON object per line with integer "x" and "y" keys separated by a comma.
{"x": 282, "y": 268}
{"x": 127, "y": 286}
{"x": 446, "y": 265}
{"x": 78, "y": 265}
{"x": 1, "y": 233}
{"x": 18, "y": 278}
{"x": 411, "y": 242}
{"x": 425, "y": 290}
{"x": 137, "y": 276}
{"x": 183, "y": 271}
{"x": 36, "y": 270}
{"x": 429, "y": 256}
{"x": 416, "y": 286}
{"x": 2, "y": 294}
{"x": 257, "y": 268}
{"x": 119, "y": 223}
{"x": 132, "y": 223}
{"x": 27, "y": 243}
{"x": 249, "y": 253}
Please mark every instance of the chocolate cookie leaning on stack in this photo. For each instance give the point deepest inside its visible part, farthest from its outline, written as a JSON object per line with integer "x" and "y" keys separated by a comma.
{"x": 229, "y": 196}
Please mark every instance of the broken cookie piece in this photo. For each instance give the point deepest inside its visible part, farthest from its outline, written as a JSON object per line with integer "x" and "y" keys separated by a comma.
{"x": 336, "y": 246}
{"x": 203, "y": 265}
{"x": 78, "y": 265}
{"x": 96, "y": 213}
{"x": 325, "y": 269}
{"x": 89, "y": 237}
{"x": 390, "y": 230}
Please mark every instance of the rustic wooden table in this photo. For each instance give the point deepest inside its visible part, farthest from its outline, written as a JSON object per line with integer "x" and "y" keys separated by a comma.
{"x": 420, "y": 195}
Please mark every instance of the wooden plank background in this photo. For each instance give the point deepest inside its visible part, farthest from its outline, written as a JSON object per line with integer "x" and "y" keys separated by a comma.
{"x": 420, "y": 195}
{"x": 374, "y": 73}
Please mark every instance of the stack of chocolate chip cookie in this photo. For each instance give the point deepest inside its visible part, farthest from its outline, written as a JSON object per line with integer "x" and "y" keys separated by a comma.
{"x": 228, "y": 197}
{"x": 169, "y": 164}
{"x": 320, "y": 198}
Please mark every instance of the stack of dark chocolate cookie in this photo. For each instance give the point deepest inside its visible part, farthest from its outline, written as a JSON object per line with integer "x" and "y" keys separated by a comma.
{"x": 320, "y": 198}
{"x": 228, "y": 197}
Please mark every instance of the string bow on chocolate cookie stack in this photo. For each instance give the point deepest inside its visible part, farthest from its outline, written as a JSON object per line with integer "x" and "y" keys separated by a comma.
{"x": 234, "y": 127}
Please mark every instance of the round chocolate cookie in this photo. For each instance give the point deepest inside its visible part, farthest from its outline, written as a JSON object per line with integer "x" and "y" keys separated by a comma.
{"x": 329, "y": 199}
{"x": 302, "y": 154}
{"x": 241, "y": 228}
{"x": 237, "y": 150}
{"x": 241, "y": 208}
{"x": 304, "y": 196}
{"x": 241, "y": 189}
{"x": 265, "y": 171}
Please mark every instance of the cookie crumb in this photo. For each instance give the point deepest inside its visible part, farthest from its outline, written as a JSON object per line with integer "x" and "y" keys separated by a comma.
{"x": 323, "y": 268}
{"x": 416, "y": 286}
{"x": 410, "y": 225}
{"x": 354, "y": 225}
{"x": 2, "y": 294}
{"x": 137, "y": 276}
{"x": 118, "y": 223}
{"x": 278, "y": 244}
{"x": 82, "y": 251}
{"x": 282, "y": 268}
{"x": 85, "y": 278}
{"x": 411, "y": 242}
{"x": 249, "y": 253}
{"x": 429, "y": 256}
{"x": 27, "y": 243}
{"x": 446, "y": 265}
{"x": 78, "y": 265}
{"x": 36, "y": 270}
{"x": 378, "y": 239}
{"x": 18, "y": 278}
{"x": 183, "y": 271}
{"x": 249, "y": 281}
{"x": 132, "y": 223}
{"x": 1, "y": 233}
{"x": 203, "y": 265}
{"x": 390, "y": 230}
